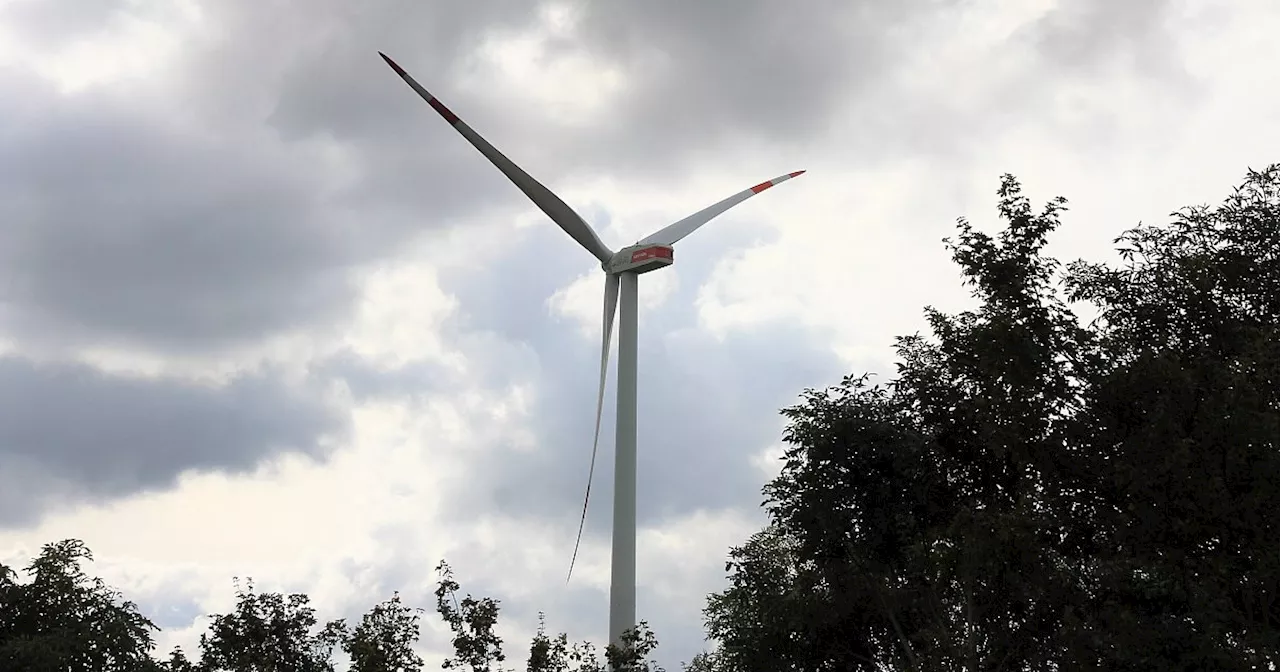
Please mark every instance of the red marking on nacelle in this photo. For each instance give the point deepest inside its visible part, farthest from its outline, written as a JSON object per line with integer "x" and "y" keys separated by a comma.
{"x": 656, "y": 252}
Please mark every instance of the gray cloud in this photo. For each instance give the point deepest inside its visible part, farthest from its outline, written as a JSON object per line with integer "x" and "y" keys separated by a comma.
{"x": 180, "y": 222}
{"x": 712, "y": 75}
{"x": 576, "y": 608}
{"x": 1072, "y": 60}
{"x": 699, "y": 77}
{"x": 697, "y": 432}
{"x": 176, "y": 222}
{"x": 122, "y": 227}
{"x": 54, "y": 23}
{"x": 1083, "y": 36}
{"x": 170, "y": 609}
{"x": 69, "y": 433}
{"x": 696, "y": 441}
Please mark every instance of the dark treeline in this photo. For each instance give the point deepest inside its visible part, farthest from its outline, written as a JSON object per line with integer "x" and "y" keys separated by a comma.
{"x": 1030, "y": 491}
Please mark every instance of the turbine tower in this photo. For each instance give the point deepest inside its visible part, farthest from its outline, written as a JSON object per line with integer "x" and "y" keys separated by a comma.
{"x": 622, "y": 270}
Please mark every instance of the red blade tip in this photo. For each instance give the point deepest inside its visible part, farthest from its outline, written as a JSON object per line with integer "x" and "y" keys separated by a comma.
{"x": 399, "y": 70}
{"x": 798, "y": 173}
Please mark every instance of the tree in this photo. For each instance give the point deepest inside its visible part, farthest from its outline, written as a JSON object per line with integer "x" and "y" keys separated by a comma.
{"x": 63, "y": 621}
{"x": 383, "y": 642}
{"x": 1033, "y": 493}
{"x": 1184, "y": 443}
{"x": 757, "y": 619}
{"x": 178, "y": 662}
{"x": 269, "y": 632}
{"x": 478, "y": 647}
{"x": 547, "y": 654}
{"x": 472, "y": 622}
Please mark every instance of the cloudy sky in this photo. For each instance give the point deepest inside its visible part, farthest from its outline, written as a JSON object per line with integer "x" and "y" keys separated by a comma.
{"x": 263, "y": 314}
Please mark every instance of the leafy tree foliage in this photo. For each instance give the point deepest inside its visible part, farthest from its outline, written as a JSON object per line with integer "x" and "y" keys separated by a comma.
{"x": 63, "y": 621}
{"x": 472, "y": 622}
{"x": 269, "y": 632}
{"x": 478, "y": 647}
{"x": 384, "y": 639}
{"x": 757, "y": 620}
{"x": 1184, "y": 447}
{"x": 633, "y": 655}
{"x": 178, "y": 662}
{"x": 1032, "y": 493}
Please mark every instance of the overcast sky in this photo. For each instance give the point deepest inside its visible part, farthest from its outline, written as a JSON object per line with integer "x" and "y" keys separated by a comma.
{"x": 262, "y": 313}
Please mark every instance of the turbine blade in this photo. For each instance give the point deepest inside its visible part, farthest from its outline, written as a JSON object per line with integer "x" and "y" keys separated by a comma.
{"x": 556, "y": 209}
{"x": 611, "y": 282}
{"x": 672, "y": 233}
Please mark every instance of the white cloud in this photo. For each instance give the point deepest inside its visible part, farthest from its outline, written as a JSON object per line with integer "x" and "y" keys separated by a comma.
{"x": 769, "y": 460}
{"x": 531, "y": 67}
{"x": 399, "y": 316}
{"x": 681, "y": 561}
{"x": 133, "y": 44}
{"x": 582, "y": 301}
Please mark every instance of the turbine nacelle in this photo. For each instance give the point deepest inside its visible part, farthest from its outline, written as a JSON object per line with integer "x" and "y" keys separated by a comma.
{"x": 640, "y": 258}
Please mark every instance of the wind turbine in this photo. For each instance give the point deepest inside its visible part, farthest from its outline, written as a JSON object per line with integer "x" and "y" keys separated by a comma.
{"x": 622, "y": 270}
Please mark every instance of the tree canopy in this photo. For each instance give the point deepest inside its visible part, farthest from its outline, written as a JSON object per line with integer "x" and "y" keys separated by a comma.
{"x": 1035, "y": 493}
{"x": 61, "y": 619}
